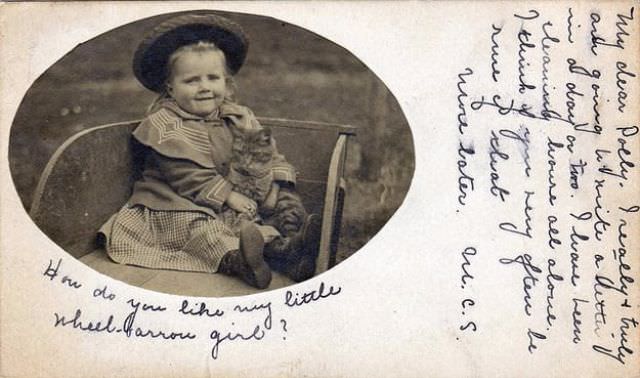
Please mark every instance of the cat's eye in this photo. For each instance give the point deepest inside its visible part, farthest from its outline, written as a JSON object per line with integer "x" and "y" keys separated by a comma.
{"x": 263, "y": 157}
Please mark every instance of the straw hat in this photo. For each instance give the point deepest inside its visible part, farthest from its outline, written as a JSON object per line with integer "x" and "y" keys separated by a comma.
{"x": 152, "y": 55}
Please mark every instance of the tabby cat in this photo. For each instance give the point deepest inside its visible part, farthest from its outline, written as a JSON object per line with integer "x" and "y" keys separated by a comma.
{"x": 250, "y": 174}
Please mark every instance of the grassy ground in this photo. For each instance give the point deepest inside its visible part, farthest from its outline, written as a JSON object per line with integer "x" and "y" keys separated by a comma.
{"x": 290, "y": 73}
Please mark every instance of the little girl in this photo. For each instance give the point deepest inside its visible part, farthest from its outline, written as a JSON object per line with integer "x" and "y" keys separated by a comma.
{"x": 173, "y": 219}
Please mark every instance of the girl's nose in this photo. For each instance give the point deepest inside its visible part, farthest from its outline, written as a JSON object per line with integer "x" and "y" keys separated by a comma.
{"x": 205, "y": 85}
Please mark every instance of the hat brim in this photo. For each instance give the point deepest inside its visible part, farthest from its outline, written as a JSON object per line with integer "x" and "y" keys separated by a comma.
{"x": 152, "y": 55}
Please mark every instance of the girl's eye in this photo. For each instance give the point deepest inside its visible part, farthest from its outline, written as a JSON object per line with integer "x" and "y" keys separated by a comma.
{"x": 213, "y": 77}
{"x": 191, "y": 80}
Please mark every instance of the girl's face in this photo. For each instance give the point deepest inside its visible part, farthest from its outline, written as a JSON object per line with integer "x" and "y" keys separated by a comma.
{"x": 198, "y": 81}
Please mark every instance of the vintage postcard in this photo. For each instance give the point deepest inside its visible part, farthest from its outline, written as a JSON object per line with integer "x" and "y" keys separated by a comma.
{"x": 319, "y": 189}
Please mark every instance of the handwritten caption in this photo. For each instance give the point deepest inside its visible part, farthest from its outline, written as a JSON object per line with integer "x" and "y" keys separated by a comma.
{"x": 135, "y": 318}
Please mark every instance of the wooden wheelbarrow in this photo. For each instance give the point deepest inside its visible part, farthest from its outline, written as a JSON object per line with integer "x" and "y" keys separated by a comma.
{"x": 91, "y": 176}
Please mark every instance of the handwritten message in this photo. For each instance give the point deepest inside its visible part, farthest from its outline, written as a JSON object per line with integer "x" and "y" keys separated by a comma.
{"x": 547, "y": 155}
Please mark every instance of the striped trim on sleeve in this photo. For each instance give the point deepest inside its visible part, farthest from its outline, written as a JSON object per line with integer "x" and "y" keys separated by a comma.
{"x": 284, "y": 172}
{"x": 216, "y": 193}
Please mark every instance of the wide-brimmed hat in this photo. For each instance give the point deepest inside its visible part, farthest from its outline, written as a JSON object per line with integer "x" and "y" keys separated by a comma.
{"x": 152, "y": 55}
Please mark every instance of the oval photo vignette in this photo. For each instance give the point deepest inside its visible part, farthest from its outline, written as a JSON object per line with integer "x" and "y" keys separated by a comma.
{"x": 73, "y": 162}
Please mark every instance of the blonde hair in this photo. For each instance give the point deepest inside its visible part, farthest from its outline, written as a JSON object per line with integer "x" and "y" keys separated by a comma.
{"x": 198, "y": 47}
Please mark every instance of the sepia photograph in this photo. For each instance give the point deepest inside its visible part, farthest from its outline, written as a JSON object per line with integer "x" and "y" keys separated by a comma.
{"x": 319, "y": 189}
{"x": 210, "y": 153}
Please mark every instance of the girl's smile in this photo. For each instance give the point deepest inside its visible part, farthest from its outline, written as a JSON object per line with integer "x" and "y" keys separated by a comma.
{"x": 198, "y": 81}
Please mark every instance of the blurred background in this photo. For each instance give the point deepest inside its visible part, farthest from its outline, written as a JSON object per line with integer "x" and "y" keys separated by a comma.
{"x": 289, "y": 73}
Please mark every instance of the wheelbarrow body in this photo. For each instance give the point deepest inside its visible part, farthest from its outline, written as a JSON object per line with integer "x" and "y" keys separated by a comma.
{"x": 91, "y": 176}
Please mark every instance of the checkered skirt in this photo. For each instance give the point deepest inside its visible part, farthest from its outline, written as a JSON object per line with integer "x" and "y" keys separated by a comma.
{"x": 178, "y": 240}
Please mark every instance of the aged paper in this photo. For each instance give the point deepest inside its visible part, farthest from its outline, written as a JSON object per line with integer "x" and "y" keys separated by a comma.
{"x": 514, "y": 254}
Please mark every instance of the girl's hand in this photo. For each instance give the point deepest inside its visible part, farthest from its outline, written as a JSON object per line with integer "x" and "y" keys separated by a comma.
{"x": 241, "y": 203}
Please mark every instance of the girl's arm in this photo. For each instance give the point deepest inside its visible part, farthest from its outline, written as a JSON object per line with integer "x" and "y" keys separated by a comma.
{"x": 203, "y": 186}
{"x": 283, "y": 172}
{"x": 284, "y": 175}
{"x": 272, "y": 197}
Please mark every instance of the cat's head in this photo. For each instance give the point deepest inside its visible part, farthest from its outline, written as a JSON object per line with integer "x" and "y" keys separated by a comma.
{"x": 252, "y": 151}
